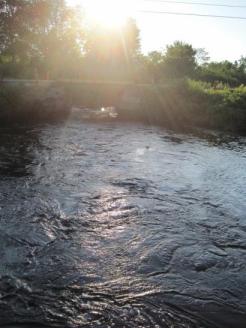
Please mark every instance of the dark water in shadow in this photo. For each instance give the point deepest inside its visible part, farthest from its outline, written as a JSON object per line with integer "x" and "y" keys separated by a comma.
{"x": 121, "y": 226}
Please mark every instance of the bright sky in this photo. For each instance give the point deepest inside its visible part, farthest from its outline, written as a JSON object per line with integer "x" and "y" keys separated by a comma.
{"x": 222, "y": 38}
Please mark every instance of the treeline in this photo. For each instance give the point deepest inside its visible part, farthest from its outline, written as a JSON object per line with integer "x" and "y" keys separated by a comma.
{"x": 46, "y": 39}
{"x": 181, "y": 60}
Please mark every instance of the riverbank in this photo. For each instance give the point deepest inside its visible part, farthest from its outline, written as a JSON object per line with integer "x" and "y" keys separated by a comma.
{"x": 192, "y": 104}
{"x": 30, "y": 101}
{"x": 180, "y": 104}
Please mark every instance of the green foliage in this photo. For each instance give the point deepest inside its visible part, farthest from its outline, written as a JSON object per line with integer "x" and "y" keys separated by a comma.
{"x": 40, "y": 38}
{"x": 177, "y": 61}
{"x": 232, "y": 74}
{"x": 176, "y": 104}
{"x": 189, "y": 103}
{"x": 154, "y": 64}
{"x": 180, "y": 60}
{"x": 111, "y": 54}
{"x": 219, "y": 107}
{"x": 46, "y": 39}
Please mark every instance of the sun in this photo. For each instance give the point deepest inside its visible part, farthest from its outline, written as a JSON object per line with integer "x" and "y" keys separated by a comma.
{"x": 108, "y": 13}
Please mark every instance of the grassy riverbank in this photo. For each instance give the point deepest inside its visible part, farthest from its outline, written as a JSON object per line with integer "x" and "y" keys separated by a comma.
{"x": 219, "y": 107}
{"x": 178, "y": 104}
{"x": 194, "y": 103}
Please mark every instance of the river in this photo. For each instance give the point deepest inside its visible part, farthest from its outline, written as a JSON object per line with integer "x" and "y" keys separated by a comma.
{"x": 121, "y": 225}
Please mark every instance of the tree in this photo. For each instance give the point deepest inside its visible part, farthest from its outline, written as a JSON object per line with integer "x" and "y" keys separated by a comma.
{"x": 40, "y": 37}
{"x": 155, "y": 66}
{"x": 232, "y": 74}
{"x": 112, "y": 53}
{"x": 202, "y": 56}
{"x": 180, "y": 60}
{"x": 241, "y": 64}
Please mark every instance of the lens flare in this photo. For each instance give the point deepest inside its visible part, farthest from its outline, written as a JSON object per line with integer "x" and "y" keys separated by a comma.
{"x": 108, "y": 13}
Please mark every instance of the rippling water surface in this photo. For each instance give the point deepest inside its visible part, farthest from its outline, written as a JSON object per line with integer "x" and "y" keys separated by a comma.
{"x": 121, "y": 226}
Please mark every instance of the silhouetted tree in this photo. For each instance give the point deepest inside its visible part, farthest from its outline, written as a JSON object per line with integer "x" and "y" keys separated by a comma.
{"x": 180, "y": 60}
{"x": 112, "y": 53}
{"x": 226, "y": 72}
{"x": 39, "y": 37}
{"x": 155, "y": 66}
{"x": 202, "y": 56}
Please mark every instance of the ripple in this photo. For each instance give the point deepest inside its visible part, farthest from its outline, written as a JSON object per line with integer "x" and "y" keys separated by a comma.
{"x": 121, "y": 226}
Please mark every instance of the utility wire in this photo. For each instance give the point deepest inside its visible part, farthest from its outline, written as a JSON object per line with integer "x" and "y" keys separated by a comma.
{"x": 197, "y": 3}
{"x": 189, "y": 14}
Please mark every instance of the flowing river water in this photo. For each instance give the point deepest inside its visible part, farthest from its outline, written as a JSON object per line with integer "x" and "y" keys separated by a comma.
{"x": 119, "y": 225}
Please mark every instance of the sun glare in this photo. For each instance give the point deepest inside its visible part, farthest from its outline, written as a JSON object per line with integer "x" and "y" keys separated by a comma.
{"x": 108, "y": 13}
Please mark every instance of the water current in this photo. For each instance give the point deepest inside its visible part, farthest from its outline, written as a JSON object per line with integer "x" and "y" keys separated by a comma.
{"x": 121, "y": 225}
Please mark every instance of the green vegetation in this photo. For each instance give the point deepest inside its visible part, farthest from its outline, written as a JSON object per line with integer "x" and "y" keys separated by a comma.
{"x": 178, "y": 104}
{"x": 39, "y": 39}
{"x": 48, "y": 40}
{"x": 190, "y": 103}
{"x": 221, "y": 108}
